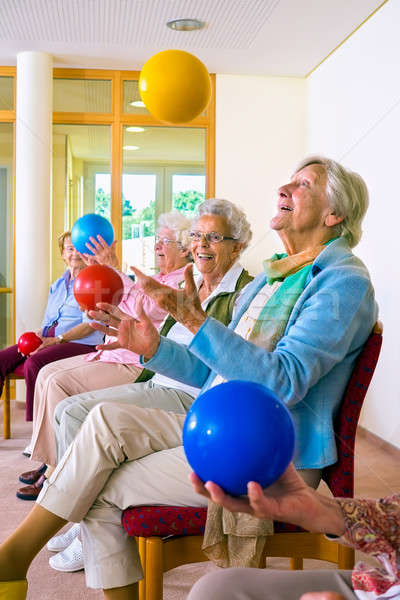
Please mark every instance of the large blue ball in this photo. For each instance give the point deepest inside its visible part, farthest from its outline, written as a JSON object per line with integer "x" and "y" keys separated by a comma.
{"x": 90, "y": 225}
{"x": 238, "y": 432}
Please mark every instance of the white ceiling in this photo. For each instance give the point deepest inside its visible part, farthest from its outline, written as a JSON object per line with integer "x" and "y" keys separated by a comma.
{"x": 264, "y": 37}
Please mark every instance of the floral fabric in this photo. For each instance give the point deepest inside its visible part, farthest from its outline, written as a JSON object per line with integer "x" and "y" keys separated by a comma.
{"x": 373, "y": 527}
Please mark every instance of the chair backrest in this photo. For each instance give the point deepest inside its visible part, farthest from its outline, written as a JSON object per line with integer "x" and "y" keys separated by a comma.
{"x": 340, "y": 476}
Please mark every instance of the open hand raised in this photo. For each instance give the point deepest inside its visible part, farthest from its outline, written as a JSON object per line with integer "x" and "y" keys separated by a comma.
{"x": 103, "y": 254}
{"x": 184, "y": 305}
{"x": 138, "y": 335}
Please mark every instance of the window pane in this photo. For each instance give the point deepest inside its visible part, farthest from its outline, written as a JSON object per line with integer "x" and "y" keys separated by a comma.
{"x": 6, "y": 202}
{"x": 5, "y": 320}
{"x": 6, "y": 235}
{"x": 139, "y": 200}
{"x": 6, "y": 93}
{"x": 188, "y": 191}
{"x": 163, "y": 167}
{"x": 81, "y": 178}
{"x": 131, "y": 100}
{"x": 82, "y": 95}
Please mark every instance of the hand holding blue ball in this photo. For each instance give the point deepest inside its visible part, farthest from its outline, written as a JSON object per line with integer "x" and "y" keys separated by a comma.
{"x": 238, "y": 432}
{"x": 90, "y": 225}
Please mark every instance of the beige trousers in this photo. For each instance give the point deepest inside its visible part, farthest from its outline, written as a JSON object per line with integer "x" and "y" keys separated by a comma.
{"x": 64, "y": 378}
{"x": 111, "y": 478}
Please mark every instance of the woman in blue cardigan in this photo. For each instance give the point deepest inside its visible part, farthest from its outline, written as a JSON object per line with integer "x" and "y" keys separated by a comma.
{"x": 298, "y": 329}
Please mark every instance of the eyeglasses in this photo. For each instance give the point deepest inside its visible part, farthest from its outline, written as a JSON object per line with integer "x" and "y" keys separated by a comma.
{"x": 213, "y": 237}
{"x": 165, "y": 240}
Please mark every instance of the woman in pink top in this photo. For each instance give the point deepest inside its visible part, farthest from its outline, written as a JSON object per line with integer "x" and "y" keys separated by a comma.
{"x": 106, "y": 368}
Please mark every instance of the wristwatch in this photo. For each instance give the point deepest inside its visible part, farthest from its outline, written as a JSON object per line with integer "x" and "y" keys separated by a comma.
{"x": 61, "y": 338}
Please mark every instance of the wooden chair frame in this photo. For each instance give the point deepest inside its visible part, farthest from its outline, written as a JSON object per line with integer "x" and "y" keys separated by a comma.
{"x": 6, "y": 403}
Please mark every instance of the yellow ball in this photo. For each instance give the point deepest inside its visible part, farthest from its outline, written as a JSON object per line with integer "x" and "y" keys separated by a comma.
{"x": 175, "y": 86}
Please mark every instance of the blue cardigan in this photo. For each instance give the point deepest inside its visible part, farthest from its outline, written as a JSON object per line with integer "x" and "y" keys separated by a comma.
{"x": 312, "y": 362}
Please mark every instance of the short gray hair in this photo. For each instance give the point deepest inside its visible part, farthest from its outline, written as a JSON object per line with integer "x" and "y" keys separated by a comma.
{"x": 347, "y": 195}
{"x": 178, "y": 223}
{"x": 235, "y": 218}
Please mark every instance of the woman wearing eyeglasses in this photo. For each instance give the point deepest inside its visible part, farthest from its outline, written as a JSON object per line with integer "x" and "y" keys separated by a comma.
{"x": 66, "y": 393}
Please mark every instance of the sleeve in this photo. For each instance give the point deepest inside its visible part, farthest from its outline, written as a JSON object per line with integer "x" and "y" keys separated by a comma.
{"x": 47, "y": 312}
{"x": 132, "y": 295}
{"x": 372, "y": 526}
{"x": 175, "y": 361}
{"x": 336, "y": 308}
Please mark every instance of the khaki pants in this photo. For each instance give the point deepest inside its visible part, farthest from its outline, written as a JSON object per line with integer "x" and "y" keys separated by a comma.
{"x": 264, "y": 584}
{"x": 64, "y": 378}
{"x": 72, "y": 412}
{"x": 100, "y": 475}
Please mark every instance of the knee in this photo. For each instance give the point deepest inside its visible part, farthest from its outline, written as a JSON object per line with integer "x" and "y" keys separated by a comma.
{"x": 59, "y": 411}
{"x": 98, "y": 412}
{"x": 34, "y": 364}
{"x": 218, "y": 586}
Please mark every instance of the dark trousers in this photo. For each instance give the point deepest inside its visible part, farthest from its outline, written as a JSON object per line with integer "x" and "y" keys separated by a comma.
{"x": 10, "y": 358}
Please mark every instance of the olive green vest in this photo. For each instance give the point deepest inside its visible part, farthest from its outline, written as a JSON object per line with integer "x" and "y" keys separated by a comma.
{"x": 220, "y": 307}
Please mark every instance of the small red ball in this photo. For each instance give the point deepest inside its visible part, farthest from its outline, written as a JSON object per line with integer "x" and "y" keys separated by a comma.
{"x": 28, "y": 342}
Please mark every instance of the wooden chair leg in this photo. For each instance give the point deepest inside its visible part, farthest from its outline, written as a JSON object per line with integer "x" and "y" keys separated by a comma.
{"x": 6, "y": 410}
{"x": 141, "y": 542}
{"x": 346, "y": 558}
{"x": 296, "y": 564}
{"x": 154, "y": 569}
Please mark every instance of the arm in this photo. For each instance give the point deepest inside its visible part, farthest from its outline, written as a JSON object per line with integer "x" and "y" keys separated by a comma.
{"x": 338, "y": 308}
{"x": 289, "y": 499}
{"x": 140, "y": 336}
{"x": 75, "y": 333}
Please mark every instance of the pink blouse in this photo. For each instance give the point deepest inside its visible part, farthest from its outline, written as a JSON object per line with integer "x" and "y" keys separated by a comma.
{"x": 128, "y": 304}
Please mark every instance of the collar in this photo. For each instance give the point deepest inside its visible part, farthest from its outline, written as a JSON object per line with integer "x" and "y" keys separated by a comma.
{"x": 334, "y": 250}
{"x": 227, "y": 283}
{"x": 67, "y": 277}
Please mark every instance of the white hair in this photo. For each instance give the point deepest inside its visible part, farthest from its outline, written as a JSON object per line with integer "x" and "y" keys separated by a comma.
{"x": 235, "y": 217}
{"x": 178, "y": 223}
{"x": 347, "y": 195}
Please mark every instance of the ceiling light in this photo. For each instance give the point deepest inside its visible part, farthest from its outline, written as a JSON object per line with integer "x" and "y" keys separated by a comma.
{"x": 137, "y": 103}
{"x": 131, "y": 147}
{"x": 185, "y": 24}
{"x": 135, "y": 129}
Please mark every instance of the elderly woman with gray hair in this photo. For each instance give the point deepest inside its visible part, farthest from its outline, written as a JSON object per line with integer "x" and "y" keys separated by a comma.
{"x": 219, "y": 233}
{"x": 297, "y": 328}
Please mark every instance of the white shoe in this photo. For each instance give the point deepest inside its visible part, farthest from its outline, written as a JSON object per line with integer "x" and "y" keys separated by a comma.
{"x": 70, "y": 559}
{"x": 60, "y": 542}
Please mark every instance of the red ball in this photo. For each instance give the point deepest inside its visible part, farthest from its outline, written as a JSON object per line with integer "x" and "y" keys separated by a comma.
{"x": 28, "y": 342}
{"x": 98, "y": 283}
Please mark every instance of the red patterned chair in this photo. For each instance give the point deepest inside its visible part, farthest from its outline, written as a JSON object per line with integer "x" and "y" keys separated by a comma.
{"x": 169, "y": 536}
{"x": 17, "y": 374}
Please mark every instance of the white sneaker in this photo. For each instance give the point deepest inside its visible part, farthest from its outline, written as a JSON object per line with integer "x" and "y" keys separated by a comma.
{"x": 70, "y": 559}
{"x": 60, "y": 542}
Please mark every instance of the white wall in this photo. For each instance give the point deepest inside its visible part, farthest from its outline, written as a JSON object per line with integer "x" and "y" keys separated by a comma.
{"x": 260, "y": 136}
{"x": 354, "y": 117}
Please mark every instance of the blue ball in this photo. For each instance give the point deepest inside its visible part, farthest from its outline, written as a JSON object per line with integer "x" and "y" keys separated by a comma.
{"x": 90, "y": 225}
{"x": 238, "y": 432}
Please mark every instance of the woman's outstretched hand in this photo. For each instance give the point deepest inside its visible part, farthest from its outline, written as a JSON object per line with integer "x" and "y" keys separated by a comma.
{"x": 103, "y": 254}
{"x": 184, "y": 305}
{"x": 138, "y": 335}
{"x": 289, "y": 499}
